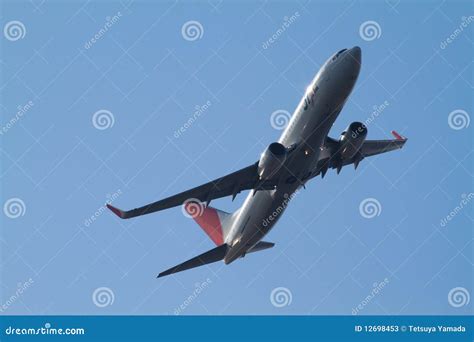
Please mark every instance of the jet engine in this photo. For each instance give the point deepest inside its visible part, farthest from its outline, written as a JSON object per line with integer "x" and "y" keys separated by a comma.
{"x": 272, "y": 160}
{"x": 351, "y": 140}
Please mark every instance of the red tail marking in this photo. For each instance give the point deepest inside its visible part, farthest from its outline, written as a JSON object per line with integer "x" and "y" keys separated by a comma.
{"x": 209, "y": 222}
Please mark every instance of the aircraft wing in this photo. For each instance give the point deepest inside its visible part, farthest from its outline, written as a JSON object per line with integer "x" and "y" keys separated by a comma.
{"x": 373, "y": 147}
{"x": 329, "y": 156}
{"x": 229, "y": 185}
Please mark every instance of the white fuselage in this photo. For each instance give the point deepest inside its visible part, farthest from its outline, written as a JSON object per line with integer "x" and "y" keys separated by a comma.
{"x": 304, "y": 137}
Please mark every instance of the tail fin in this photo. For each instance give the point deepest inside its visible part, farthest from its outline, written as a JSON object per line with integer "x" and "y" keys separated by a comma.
{"x": 214, "y": 222}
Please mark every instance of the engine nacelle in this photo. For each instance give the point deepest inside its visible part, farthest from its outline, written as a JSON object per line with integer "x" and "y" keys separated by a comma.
{"x": 272, "y": 160}
{"x": 351, "y": 140}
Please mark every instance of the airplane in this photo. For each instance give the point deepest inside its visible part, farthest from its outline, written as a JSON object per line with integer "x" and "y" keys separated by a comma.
{"x": 303, "y": 152}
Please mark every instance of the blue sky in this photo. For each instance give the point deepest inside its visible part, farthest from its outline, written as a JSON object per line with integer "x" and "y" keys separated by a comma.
{"x": 145, "y": 78}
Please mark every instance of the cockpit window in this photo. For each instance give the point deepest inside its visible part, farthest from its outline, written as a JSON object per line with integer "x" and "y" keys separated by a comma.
{"x": 337, "y": 54}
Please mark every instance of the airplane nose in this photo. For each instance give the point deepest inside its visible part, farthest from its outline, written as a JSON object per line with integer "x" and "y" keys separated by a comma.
{"x": 356, "y": 54}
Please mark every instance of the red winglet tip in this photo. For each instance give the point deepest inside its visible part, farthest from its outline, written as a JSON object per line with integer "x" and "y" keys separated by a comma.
{"x": 397, "y": 136}
{"x": 116, "y": 211}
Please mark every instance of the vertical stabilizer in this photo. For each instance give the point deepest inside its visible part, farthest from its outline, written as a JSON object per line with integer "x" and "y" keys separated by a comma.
{"x": 214, "y": 222}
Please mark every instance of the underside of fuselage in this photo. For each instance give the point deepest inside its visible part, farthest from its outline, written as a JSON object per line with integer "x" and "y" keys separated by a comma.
{"x": 307, "y": 131}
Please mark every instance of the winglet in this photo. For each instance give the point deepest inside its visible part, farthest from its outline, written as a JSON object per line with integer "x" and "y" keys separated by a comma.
{"x": 397, "y": 136}
{"x": 116, "y": 211}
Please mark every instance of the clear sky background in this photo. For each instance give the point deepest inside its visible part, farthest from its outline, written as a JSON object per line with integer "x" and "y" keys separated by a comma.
{"x": 59, "y": 169}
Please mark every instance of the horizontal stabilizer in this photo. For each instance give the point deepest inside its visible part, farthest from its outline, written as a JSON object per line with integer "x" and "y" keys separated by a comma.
{"x": 208, "y": 257}
{"x": 260, "y": 246}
